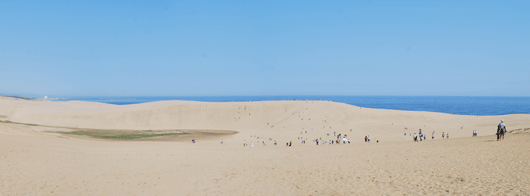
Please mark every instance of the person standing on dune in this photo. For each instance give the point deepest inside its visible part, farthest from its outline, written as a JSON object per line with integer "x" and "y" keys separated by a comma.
{"x": 501, "y": 129}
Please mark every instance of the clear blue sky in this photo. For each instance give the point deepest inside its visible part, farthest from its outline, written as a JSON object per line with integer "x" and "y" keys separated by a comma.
{"x": 181, "y": 48}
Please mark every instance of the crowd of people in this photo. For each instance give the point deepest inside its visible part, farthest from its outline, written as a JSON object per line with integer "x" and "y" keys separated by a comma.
{"x": 263, "y": 142}
{"x": 421, "y": 136}
{"x": 501, "y": 130}
{"x": 339, "y": 138}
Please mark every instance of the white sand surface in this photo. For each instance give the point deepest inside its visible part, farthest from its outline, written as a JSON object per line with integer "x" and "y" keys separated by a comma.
{"x": 34, "y": 162}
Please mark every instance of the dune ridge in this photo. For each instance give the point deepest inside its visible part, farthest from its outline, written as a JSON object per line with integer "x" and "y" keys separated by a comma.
{"x": 273, "y": 117}
{"x": 35, "y": 162}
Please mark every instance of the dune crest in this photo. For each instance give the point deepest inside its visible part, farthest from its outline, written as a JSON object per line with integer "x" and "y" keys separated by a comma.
{"x": 267, "y": 117}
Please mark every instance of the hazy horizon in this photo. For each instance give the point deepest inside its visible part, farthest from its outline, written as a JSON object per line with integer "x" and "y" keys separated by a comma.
{"x": 176, "y": 96}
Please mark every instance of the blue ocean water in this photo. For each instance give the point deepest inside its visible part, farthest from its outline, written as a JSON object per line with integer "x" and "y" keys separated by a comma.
{"x": 482, "y": 106}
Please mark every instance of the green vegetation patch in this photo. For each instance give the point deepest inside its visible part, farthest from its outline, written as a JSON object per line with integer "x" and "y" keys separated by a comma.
{"x": 121, "y": 134}
{"x": 107, "y": 134}
{"x": 11, "y": 122}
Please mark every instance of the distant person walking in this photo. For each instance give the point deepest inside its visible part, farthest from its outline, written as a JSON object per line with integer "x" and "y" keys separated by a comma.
{"x": 420, "y": 133}
{"x": 501, "y": 130}
{"x": 443, "y": 135}
{"x": 432, "y": 134}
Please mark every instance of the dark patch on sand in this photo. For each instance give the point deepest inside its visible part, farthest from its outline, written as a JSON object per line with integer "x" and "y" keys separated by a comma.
{"x": 133, "y": 135}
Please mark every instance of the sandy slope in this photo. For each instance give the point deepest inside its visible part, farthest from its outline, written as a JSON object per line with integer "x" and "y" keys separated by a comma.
{"x": 286, "y": 119}
{"x": 34, "y": 162}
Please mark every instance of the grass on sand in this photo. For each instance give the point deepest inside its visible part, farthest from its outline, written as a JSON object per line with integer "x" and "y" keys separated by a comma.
{"x": 107, "y": 134}
{"x": 121, "y": 134}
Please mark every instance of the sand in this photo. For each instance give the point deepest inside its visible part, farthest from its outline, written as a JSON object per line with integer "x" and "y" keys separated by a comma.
{"x": 34, "y": 162}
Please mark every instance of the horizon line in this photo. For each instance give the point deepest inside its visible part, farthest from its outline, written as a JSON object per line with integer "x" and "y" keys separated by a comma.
{"x": 130, "y": 96}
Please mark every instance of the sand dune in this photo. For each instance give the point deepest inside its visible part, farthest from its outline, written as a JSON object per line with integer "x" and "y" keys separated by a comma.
{"x": 36, "y": 162}
{"x": 272, "y": 118}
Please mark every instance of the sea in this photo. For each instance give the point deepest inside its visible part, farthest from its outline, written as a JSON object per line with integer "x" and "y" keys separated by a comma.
{"x": 462, "y": 105}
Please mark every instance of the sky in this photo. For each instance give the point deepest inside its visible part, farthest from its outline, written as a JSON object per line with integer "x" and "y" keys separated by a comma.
{"x": 253, "y": 48}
